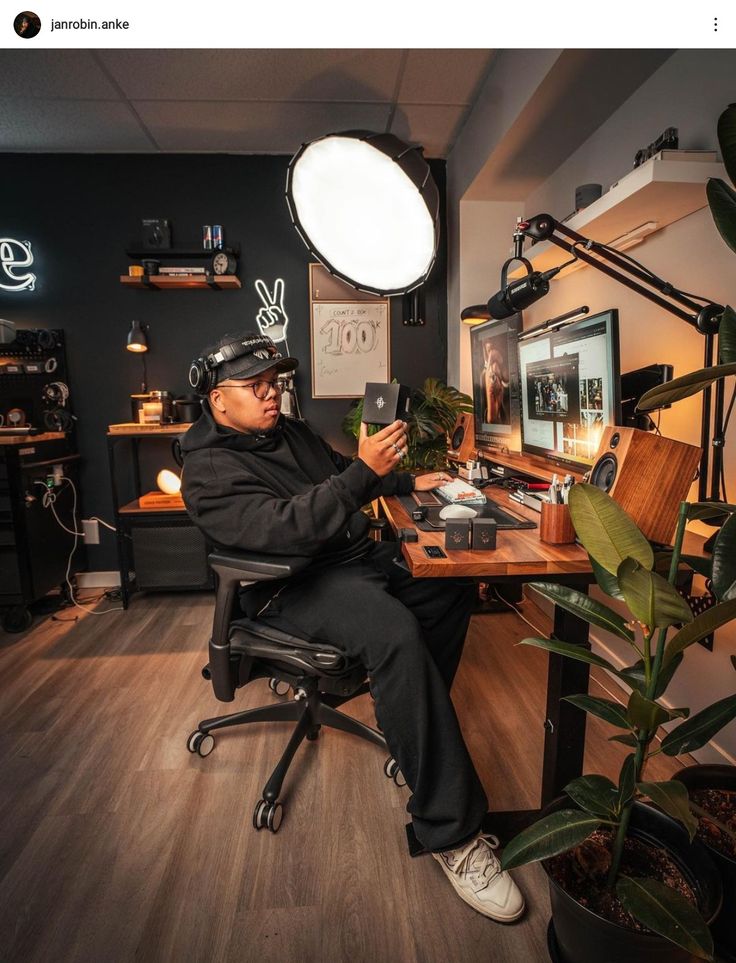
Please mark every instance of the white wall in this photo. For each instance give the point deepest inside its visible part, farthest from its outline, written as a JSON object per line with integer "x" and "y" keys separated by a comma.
{"x": 689, "y": 91}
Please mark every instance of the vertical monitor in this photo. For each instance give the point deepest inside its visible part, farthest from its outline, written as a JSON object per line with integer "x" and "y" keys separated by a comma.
{"x": 570, "y": 388}
{"x": 495, "y": 362}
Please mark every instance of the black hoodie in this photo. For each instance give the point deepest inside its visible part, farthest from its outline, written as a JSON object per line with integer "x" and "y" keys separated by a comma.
{"x": 284, "y": 492}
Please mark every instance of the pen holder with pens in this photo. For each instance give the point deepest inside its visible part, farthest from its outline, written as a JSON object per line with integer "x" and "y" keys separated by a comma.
{"x": 555, "y": 526}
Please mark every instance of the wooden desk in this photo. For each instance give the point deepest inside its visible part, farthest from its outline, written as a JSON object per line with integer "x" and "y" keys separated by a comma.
{"x": 521, "y": 557}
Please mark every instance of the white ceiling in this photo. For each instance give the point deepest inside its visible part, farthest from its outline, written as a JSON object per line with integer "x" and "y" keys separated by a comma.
{"x": 241, "y": 101}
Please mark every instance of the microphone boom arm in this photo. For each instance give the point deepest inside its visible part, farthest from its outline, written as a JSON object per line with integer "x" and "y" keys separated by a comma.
{"x": 704, "y": 318}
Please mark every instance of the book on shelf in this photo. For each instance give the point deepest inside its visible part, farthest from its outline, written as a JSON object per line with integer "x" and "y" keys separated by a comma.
{"x": 177, "y": 270}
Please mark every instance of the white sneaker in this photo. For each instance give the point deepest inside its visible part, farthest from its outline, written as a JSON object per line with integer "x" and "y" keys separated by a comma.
{"x": 475, "y": 872}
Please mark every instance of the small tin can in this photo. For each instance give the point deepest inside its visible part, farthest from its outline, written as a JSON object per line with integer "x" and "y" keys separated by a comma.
{"x": 207, "y": 237}
{"x": 217, "y": 237}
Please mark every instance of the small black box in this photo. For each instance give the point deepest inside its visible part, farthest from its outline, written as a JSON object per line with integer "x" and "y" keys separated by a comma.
{"x": 155, "y": 233}
{"x": 384, "y": 404}
{"x": 484, "y": 534}
{"x": 457, "y": 534}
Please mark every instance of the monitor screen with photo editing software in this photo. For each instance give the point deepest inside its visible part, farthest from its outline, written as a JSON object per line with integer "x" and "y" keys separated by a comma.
{"x": 570, "y": 388}
{"x": 495, "y": 363}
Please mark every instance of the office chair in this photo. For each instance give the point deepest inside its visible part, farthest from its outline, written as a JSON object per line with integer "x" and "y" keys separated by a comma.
{"x": 321, "y": 676}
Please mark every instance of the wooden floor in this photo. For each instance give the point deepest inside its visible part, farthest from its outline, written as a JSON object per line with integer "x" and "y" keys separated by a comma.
{"x": 116, "y": 844}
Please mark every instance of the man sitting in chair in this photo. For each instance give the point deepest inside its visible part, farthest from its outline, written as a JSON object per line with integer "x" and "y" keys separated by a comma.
{"x": 258, "y": 482}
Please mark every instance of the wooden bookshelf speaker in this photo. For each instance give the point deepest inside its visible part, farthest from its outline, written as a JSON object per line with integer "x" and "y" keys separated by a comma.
{"x": 648, "y": 476}
{"x": 461, "y": 440}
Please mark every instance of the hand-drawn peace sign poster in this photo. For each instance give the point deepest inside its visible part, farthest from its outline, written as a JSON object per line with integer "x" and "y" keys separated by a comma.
{"x": 350, "y": 333}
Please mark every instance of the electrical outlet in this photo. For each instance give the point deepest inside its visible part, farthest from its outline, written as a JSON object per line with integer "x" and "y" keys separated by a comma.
{"x": 91, "y": 530}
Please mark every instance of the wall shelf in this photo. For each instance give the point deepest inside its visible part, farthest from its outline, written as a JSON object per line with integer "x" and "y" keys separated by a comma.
{"x": 164, "y": 282}
{"x": 139, "y": 253}
{"x": 663, "y": 190}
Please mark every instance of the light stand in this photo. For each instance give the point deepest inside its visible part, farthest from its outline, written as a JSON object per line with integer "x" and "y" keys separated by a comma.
{"x": 703, "y": 316}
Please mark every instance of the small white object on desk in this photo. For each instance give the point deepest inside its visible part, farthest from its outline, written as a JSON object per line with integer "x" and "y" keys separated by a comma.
{"x": 457, "y": 511}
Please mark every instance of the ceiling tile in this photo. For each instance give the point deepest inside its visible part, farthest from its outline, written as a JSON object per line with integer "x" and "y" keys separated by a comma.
{"x": 252, "y": 127}
{"x": 443, "y": 76}
{"x": 70, "y": 125}
{"x": 434, "y": 127}
{"x": 318, "y": 75}
{"x": 53, "y": 73}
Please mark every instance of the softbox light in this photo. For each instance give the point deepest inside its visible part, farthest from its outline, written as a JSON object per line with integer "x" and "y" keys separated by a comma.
{"x": 367, "y": 207}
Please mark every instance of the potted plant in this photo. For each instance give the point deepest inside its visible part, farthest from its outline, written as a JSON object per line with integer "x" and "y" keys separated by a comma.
{"x": 620, "y": 857}
{"x": 713, "y": 788}
{"x": 433, "y": 413}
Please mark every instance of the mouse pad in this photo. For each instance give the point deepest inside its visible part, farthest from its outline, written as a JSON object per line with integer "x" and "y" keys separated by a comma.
{"x": 506, "y": 520}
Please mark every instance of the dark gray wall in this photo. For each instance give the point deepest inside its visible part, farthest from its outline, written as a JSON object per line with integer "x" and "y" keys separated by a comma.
{"x": 80, "y": 212}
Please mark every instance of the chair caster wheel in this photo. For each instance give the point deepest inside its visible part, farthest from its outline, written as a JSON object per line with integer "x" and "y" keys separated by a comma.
{"x": 391, "y": 769}
{"x": 18, "y": 618}
{"x": 268, "y": 815}
{"x": 313, "y": 733}
{"x": 274, "y": 684}
{"x": 201, "y": 742}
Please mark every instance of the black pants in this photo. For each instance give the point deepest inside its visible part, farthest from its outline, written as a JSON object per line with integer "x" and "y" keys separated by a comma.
{"x": 409, "y": 635}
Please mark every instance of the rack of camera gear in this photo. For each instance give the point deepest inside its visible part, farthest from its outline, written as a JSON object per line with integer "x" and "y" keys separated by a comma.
{"x": 39, "y": 469}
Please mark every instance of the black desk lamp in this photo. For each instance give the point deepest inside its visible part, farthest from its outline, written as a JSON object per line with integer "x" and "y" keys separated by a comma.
{"x": 138, "y": 344}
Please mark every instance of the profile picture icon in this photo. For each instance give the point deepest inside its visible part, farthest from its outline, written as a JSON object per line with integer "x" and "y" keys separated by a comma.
{"x": 27, "y": 24}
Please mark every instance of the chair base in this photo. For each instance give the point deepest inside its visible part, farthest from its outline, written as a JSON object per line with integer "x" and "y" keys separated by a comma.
{"x": 310, "y": 710}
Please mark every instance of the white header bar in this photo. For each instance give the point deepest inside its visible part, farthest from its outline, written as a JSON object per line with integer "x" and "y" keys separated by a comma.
{"x": 274, "y": 24}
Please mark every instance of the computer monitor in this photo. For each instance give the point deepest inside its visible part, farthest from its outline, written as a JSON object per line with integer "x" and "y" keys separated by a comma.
{"x": 495, "y": 361}
{"x": 570, "y": 388}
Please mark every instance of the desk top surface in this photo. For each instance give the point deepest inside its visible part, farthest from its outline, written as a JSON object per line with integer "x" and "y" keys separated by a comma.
{"x": 31, "y": 439}
{"x": 519, "y": 552}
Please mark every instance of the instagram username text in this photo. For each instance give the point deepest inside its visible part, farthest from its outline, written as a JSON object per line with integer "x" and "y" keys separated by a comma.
{"x": 84, "y": 24}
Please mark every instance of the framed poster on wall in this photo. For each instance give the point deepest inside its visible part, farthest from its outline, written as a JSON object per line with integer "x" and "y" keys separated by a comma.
{"x": 350, "y": 335}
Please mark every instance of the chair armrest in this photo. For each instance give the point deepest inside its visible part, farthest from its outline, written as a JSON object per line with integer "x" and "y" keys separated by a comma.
{"x": 247, "y": 567}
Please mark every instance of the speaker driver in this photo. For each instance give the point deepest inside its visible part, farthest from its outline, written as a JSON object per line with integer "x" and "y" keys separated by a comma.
{"x": 603, "y": 474}
{"x": 457, "y": 437}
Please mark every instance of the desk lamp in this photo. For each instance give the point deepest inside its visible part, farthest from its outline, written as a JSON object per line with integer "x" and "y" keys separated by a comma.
{"x": 138, "y": 344}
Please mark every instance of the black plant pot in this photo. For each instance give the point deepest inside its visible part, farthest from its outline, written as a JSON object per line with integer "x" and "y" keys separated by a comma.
{"x": 724, "y": 928}
{"x": 581, "y": 936}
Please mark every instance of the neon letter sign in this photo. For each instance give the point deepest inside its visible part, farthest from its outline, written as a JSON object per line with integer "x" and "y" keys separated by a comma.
{"x": 16, "y": 255}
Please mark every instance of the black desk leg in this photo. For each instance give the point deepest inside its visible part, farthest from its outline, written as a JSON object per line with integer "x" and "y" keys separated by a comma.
{"x": 564, "y": 740}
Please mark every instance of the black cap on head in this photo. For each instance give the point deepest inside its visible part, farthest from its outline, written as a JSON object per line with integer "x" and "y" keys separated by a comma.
{"x": 241, "y": 356}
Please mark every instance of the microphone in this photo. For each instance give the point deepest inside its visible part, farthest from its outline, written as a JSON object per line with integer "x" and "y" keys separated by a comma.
{"x": 520, "y": 294}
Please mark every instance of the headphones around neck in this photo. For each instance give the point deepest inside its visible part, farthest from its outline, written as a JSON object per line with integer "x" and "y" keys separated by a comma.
{"x": 202, "y": 370}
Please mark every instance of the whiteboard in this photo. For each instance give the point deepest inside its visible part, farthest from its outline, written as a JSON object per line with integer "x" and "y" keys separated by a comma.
{"x": 350, "y": 346}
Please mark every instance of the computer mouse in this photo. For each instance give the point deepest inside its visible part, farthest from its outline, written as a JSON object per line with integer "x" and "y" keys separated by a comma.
{"x": 457, "y": 511}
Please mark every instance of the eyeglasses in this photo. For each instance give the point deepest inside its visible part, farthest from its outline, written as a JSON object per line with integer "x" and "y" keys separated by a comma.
{"x": 261, "y": 389}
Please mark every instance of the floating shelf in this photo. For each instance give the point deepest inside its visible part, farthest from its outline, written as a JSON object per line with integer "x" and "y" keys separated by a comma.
{"x": 139, "y": 253}
{"x": 163, "y": 282}
{"x": 663, "y": 190}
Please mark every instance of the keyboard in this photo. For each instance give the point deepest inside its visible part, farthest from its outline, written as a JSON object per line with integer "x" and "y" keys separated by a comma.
{"x": 459, "y": 492}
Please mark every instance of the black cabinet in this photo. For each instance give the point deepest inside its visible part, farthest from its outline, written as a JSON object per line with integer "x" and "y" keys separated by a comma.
{"x": 35, "y": 550}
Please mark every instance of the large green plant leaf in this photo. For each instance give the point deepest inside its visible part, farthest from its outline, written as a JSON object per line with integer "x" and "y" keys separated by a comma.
{"x": 597, "y": 795}
{"x": 727, "y": 336}
{"x": 606, "y": 582}
{"x": 700, "y": 728}
{"x": 651, "y": 598}
{"x": 644, "y": 713}
{"x": 551, "y": 835}
{"x": 703, "y": 510}
{"x": 722, "y": 202}
{"x": 667, "y": 913}
{"x": 730, "y": 593}
{"x": 605, "y": 529}
{"x": 672, "y": 797}
{"x": 724, "y": 559}
{"x": 628, "y": 740}
{"x": 699, "y": 628}
{"x": 611, "y": 712}
{"x": 679, "y": 388}
{"x": 727, "y": 140}
{"x": 578, "y": 652}
{"x": 698, "y": 563}
{"x": 585, "y": 608}
{"x": 635, "y": 676}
